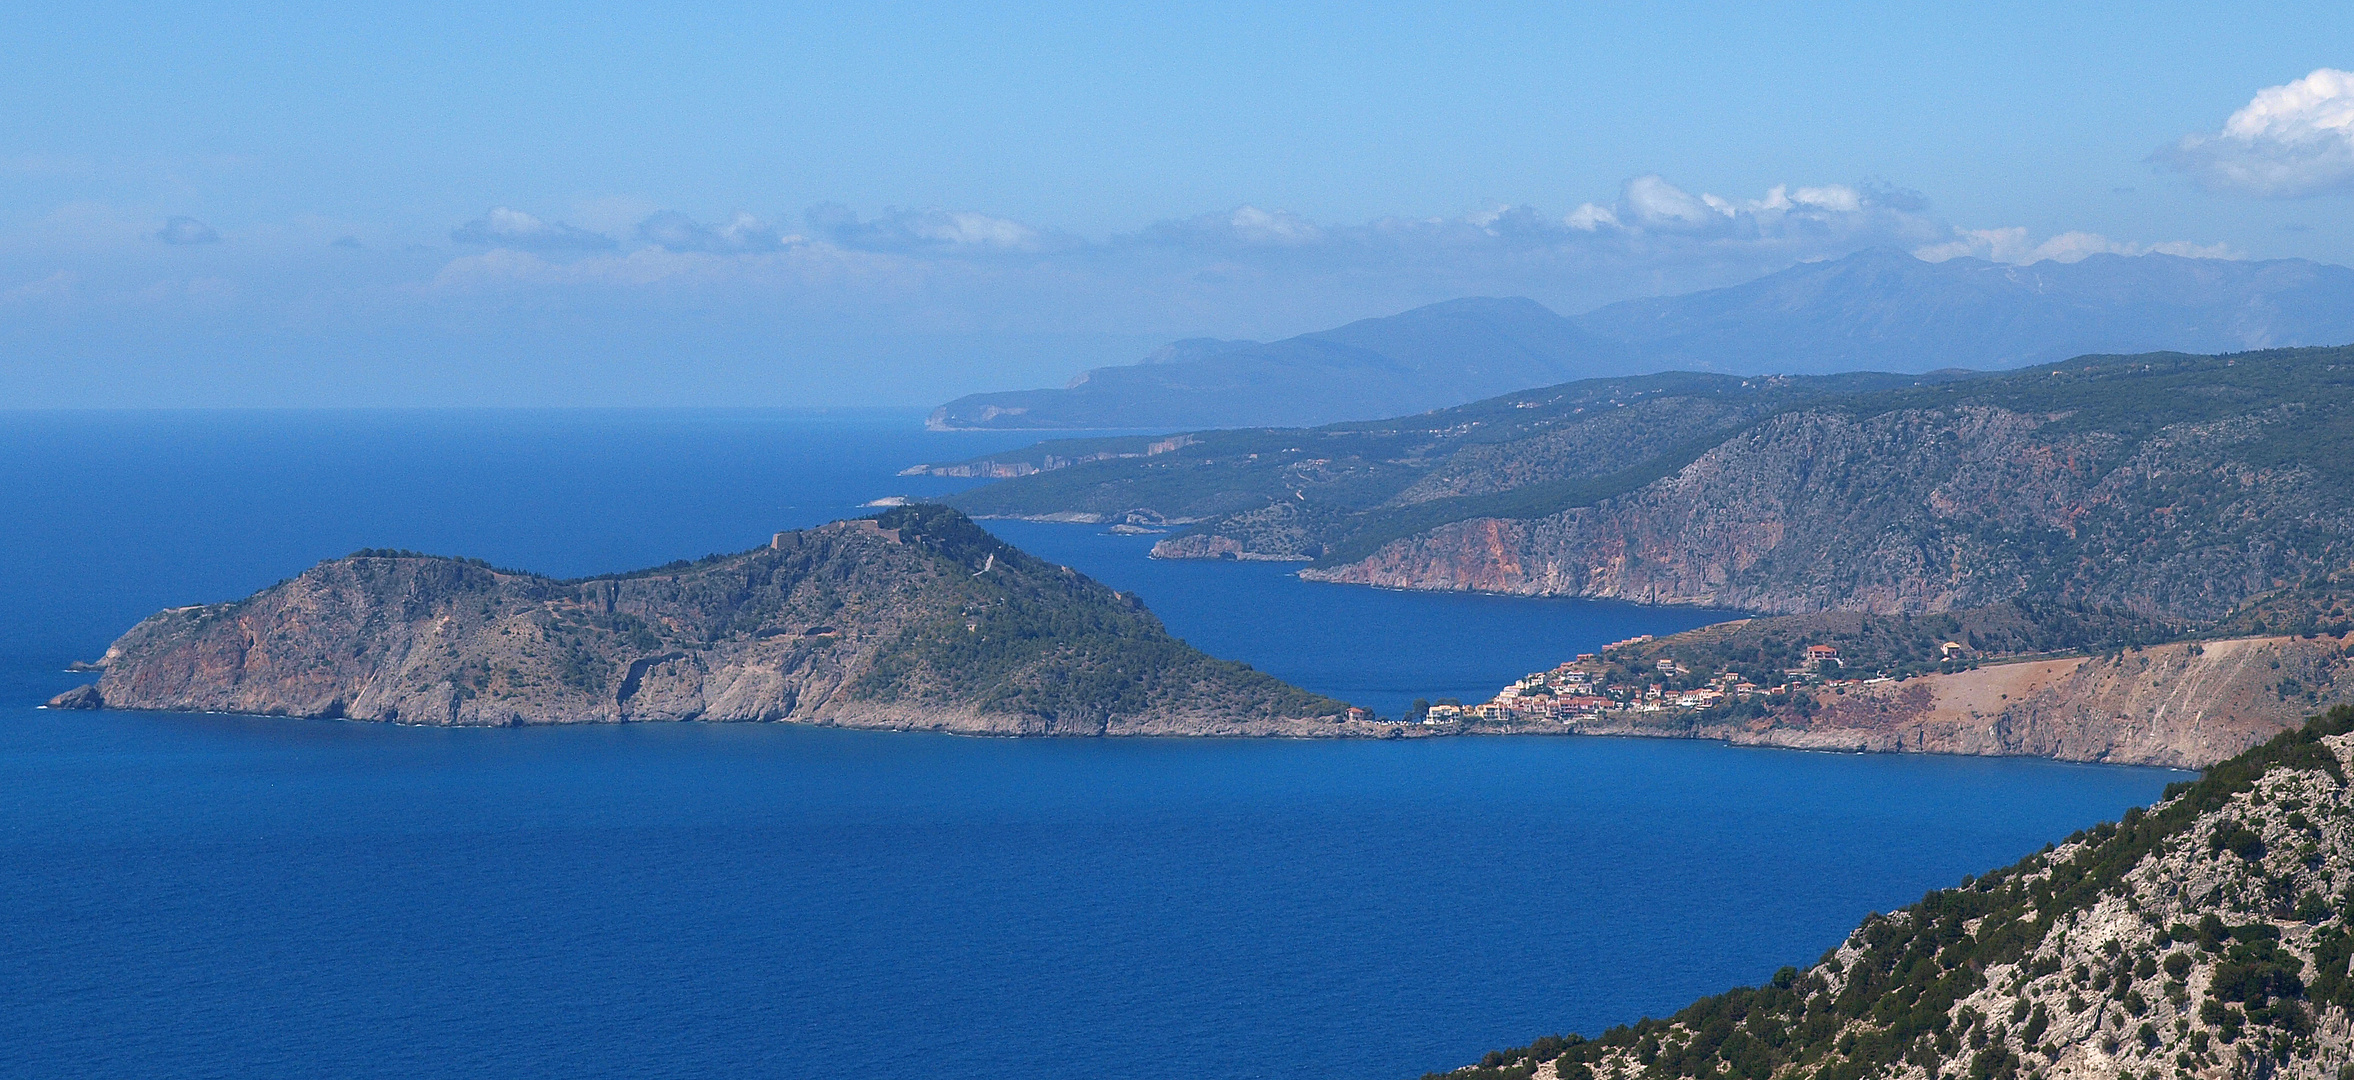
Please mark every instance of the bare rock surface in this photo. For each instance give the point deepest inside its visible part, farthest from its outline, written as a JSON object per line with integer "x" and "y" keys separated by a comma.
{"x": 80, "y": 697}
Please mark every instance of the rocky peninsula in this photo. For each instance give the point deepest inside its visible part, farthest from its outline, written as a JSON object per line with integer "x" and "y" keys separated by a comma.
{"x": 916, "y": 618}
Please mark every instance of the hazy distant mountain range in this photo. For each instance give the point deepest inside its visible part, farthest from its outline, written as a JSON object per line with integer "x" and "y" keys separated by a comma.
{"x": 1875, "y": 310}
{"x": 1444, "y": 354}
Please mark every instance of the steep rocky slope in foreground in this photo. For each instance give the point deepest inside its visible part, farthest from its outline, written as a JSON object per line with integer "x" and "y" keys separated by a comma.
{"x": 917, "y": 618}
{"x": 2207, "y": 937}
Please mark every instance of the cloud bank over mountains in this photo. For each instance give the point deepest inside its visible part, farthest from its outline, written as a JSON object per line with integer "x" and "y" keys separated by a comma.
{"x": 2292, "y": 141}
{"x": 1652, "y": 221}
{"x": 2013, "y": 245}
{"x": 627, "y": 303}
{"x": 514, "y": 229}
{"x": 1654, "y": 237}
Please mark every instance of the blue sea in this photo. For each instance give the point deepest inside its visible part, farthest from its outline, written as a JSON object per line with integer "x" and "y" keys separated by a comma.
{"x": 211, "y": 896}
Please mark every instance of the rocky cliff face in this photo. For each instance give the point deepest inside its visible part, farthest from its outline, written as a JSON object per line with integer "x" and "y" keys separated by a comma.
{"x": 1919, "y": 510}
{"x": 2179, "y": 492}
{"x": 916, "y": 619}
{"x": 2207, "y": 937}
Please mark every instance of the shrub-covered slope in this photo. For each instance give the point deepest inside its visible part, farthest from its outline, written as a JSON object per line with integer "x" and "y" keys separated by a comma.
{"x": 2179, "y": 493}
{"x": 1339, "y": 492}
{"x": 917, "y": 617}
{"x": 2208, "y": 936}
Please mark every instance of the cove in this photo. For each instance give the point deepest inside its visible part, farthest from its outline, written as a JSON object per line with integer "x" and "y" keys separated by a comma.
{"x": 1377, "y": 648}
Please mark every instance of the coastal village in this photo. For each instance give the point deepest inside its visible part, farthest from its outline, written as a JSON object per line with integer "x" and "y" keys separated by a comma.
{"x": 1614, "y": 683}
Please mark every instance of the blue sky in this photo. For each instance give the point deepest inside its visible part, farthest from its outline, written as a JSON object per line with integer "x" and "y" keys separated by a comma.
{"x": 542, "y": 204}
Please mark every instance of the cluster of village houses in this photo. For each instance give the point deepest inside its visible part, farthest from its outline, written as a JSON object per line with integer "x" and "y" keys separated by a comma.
{"x": 1577, "y": 690}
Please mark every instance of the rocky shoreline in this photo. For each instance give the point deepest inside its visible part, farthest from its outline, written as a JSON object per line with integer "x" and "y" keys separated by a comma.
{"x": 919, "y": 620}
{"x": 2186, "y": 705}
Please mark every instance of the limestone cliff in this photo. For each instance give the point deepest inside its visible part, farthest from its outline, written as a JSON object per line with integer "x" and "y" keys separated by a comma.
{"x": 917, "y": 618}
{"x": 1915, "y": 510}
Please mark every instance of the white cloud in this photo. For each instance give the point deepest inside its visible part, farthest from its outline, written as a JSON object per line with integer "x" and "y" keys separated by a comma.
{"x": 930, "y": 229}
{"x": 941, "y": 282}
{"x": 1256, "y": 271}
{"x": 1834, "y": 197}
{"x": 1653, "y": 227}
{"x": 2289, "y": 142}
{"x": 509, "y": 228}
{"x": 1589, "y": 217}
{"x": 1652, "y": 202}
{"x": 2013, "y": 245}
{"x": 1829, "y": 215}
{"x": 187, "y": 230}
{"x": 1255, "y": 226}
{"x": 743, "y": 232}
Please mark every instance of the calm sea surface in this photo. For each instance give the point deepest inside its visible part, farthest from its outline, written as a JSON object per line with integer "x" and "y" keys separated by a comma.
{"x": 209, "y": 896}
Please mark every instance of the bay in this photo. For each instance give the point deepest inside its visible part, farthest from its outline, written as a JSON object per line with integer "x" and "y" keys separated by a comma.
{"x": 227, "y": 896}
{"x": 1377, "y": 648}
